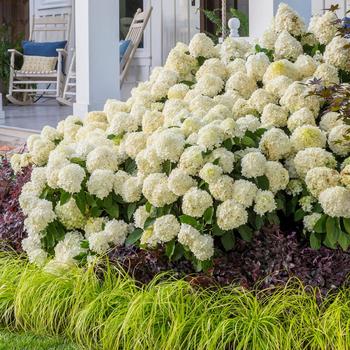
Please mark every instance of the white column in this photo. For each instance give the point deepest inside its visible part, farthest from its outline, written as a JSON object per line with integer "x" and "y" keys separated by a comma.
{"x": 2, "y": 112}
{"x": 262, "y": 12}
{"x": 97, "y": 53}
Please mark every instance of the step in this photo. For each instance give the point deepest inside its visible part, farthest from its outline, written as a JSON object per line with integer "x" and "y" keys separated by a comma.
{"x": 14, "y": 137}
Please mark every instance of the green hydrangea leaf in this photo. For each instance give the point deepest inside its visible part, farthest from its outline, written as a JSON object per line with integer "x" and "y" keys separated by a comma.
{"x": 134, "y": 236}
{"x": 228, "y": 240}
{"x": 315, "y": 241}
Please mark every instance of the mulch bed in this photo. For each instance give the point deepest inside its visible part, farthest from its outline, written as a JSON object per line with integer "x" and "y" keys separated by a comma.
{"x": 12, "y": 229}
{"x": 271, "y": 259}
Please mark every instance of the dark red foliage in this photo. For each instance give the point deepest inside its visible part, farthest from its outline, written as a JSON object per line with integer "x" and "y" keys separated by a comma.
{"x": 11, "y": 217}
{"x": 269, "y": 260}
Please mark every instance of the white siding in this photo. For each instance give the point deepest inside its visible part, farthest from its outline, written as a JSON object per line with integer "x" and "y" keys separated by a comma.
{"x": 171, "y": 21}
{"x": 53, "y": 7}
{"x": 175, "y": 20}
{"x": 318, "y": 6}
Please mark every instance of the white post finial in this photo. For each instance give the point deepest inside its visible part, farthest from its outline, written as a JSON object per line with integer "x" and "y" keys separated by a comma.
{"x": 234, "y": 24}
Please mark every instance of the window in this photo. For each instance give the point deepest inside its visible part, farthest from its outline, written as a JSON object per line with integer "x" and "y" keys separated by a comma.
{"x": 211, "y": 16}
{"x": 127, "y": 10}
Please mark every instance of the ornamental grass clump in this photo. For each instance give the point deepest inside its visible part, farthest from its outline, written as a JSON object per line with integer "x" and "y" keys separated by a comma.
{"x": 219, "y": 142}
{"x": 101, "y": 308}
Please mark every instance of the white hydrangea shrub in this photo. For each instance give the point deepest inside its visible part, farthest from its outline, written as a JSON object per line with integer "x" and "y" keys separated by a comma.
{"x": 218, "y": 135}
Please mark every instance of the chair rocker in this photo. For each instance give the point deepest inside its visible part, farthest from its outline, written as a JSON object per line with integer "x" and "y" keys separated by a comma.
{"x": 26, "y": 85}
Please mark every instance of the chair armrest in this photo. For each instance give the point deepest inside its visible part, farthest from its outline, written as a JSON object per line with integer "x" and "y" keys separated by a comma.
{"x": 62, "y": 52}
{"x": 13, "y": 51}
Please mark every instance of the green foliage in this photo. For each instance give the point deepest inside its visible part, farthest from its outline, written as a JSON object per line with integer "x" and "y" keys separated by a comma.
{"x": 99, "y": 308}
{"x": 336, "y": 97}
{"x": 263, "y": 182}
{"x": 214, "y": 17}
{"x": 269, "y": 53}
{"x": 6, "y": 43}
{"x": 28, "y": 341}
{"x": 228, "y": 240}
{"x": 332, "y": 232}
{"x": 134, "y": 236}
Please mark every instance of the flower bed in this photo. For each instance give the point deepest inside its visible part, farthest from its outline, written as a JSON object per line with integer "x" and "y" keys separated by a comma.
{"x": 272, "y": 257}
{"x": 220, "y": 142}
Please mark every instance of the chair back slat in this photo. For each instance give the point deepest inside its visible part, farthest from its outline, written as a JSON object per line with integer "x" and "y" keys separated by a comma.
{"x": 50, "y": 19}
{"x": 50, "y": 28}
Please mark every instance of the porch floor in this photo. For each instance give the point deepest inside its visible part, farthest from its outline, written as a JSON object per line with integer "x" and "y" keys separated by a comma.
{"x": 34, "y": 117}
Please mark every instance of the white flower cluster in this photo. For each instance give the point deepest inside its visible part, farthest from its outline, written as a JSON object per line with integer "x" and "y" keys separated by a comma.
{"x": 212, "y": 138}
{"x": 288, "y": 20}
{"x": 337, "y": 53}
{"x": 202, "y": 246}
{"x": 324, "y": 27}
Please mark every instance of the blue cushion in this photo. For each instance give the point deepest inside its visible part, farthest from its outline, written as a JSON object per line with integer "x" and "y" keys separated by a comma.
{"x": 346, "y": 22}
{"x": 32, "y": 48}
{"x": 123, "y": 47}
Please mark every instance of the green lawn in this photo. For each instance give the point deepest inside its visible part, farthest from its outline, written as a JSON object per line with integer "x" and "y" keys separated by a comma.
{"x": 27, "y": 341}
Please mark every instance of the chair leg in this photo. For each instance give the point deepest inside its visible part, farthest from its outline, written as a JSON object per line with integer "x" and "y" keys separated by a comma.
{"x": 59, "y": 75}
{"x": 58, "y": 88}
{"x": 25, "y": 96}
{"x": 12, "y": 64}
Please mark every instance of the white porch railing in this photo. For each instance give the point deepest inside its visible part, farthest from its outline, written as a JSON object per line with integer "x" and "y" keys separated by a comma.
{"x": 2, "y": 112}
{"x": 234, "y": 25}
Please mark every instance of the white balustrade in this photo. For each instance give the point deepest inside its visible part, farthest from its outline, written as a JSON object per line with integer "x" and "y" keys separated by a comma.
{"x": 234, "y": 25}
{"x": 2, "y": 112}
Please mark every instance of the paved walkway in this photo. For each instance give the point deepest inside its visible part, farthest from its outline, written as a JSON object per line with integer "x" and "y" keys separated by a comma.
{"x": 12, "y": 139}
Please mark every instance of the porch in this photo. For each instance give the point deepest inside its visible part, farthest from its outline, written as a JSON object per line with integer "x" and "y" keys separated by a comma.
{"x": 22, "y": 121}
{"x": 169, "y": 24}
{"x": 34, "y": 117}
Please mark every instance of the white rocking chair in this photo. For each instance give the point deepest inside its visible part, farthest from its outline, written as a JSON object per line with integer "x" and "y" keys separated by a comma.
{"x": 135, "y": 35}
{"x": 24, "y": 86}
